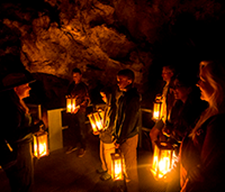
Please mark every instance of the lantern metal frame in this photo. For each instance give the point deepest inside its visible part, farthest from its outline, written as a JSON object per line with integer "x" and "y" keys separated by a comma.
{"x": 70, "y": 104}
{"x": 40, "y": 141}
{"x": 97, "y": 121}
{"x": 163, "y": 159}
{"x": 117, "y": 166}
{"x": 157, "y": 109}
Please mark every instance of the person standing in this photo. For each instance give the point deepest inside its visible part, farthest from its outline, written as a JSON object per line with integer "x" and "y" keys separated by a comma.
{"x": 106, "y": 145}
{"x": 202, "y": 154}
{"x": 16, "y": 136}
{"x": 78, "y": 90}
{"x": 127, "y": 125}
{"x": 167, "y": 97}
{"x": 184, "y": 114}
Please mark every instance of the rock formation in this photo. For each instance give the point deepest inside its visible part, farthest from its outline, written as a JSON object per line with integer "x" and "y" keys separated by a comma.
{"x": 101, "y": 37}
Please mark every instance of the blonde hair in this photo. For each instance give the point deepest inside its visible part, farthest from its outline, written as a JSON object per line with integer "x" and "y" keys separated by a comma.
{"x": 214, "y": 72}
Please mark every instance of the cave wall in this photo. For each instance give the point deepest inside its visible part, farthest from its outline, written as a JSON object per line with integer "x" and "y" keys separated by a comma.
{"x": 101, "y": 37}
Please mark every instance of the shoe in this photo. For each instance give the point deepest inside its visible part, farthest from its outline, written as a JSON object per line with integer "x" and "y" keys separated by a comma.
{"x": 81, "y": 152}
{"x": 105, "y": 177}
{"x": 71, "y": 149}
{"x": 100, "y": 171}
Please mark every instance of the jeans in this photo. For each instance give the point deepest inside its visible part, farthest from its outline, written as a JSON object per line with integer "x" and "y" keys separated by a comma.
{"x": 21, "y": 173}
{"x": 77, "y": 129}
{"x": 129, "y": 149}
{"x": 105, "y": 155}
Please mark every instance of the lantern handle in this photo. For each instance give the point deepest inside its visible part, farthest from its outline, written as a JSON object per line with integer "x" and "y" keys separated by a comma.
{"x": 118, "y": 150}
{"x": 8, "y": 145}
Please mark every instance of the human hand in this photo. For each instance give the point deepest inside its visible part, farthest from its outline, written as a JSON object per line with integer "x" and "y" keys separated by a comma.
{"x": 38, "y": 126}
{"x": 76, "y": 109}
{"x": 117, "y": 145}
{"x": 166, "y": 131}
{"x": 95, "y": 132}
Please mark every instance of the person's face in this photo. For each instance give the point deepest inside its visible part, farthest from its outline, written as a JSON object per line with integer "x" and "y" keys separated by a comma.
{"x": 123, "y": 82}
{"x": 166, "y": 74}
{"x": 23, "y": 91}
{"x": 77, "y": 77}
{"x": 104, "y": 98}
{"x": 180, "y": 92}
{"x": 204, "y": 86}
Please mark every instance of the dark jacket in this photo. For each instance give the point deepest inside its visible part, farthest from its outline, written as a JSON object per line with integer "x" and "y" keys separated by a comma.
{"x": 185, "y": 115}
{"x": 16, "y": 127}
{"x": 128, "y": 116}
{"x": 80, "y": 92}
{"x": 205, "y": 156}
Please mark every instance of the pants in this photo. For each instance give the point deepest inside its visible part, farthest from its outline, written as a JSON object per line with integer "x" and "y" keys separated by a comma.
{"x": 21, "y": 173}
{"x": 105, "y": 155}
{"x": 77, "y": 129}
{"x": 129, "y": 149}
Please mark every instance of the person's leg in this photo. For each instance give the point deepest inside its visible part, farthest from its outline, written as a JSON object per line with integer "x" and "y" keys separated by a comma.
{"x": 81, "y": 133}
{"x": 72, "y": 133}
{"x": 108, "y": 149}
{"x": 20, "y": 175}
{"x": 129, "y": 149}
{"x": 102, "y": 156}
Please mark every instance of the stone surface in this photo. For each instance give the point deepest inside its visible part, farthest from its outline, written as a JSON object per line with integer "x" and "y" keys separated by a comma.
{"x": 103, "y": 36}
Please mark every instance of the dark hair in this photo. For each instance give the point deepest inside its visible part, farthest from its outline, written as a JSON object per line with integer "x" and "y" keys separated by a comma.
{"x": 186, "y": 79}
{"x": 76, "y": 70}
{"x": 127, "y": 73}
{"x": 171, "y": 67}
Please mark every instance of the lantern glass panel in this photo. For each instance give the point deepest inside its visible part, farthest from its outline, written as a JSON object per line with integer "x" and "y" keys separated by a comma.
{"x": 96, "y": 121}
{"x": 92, "y": 121}
{"x": 117, "y": 172}
{"x": 40, "y": 144}
{"x": 70, "y": 104}
{"x": 157, "y": 110}
{"x": 162, "y": 159}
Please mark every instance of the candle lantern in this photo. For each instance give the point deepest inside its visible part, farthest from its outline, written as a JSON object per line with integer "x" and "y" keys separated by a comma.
{"x": 70, "y": 104}
{"x": 96, "y": 121}
{"x": 163, "y": 159}
{"x": 118, "y": 166}
{"x": 157, "y": 109}
{"x": 40, "y": 144}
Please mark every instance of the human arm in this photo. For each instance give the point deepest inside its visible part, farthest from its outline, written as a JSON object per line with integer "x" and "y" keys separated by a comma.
{"x": 127, "y": 125}
{"x": 209, "y": 172}
{"x": 17, "y": 125}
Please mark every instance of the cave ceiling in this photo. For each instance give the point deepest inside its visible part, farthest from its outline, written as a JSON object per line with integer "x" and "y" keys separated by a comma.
{"x": 100, "y": 37}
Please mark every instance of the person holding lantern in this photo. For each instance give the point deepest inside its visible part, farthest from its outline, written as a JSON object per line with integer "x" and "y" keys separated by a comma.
{"x": 17, "y": 127}
{"x": 202, "y": 154}
{"x": 78, "y": 90}
{"x": 106, "y": 145}
{"x": 184, "y": 114}
{"x": 187, "y": 107}
{"x": 167, "y": 99}
{"x": 127, "y": 125}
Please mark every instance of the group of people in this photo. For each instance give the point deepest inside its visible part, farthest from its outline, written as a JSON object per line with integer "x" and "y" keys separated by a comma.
{"x": 121, "y": 124}
{"x": 193, "y": 123}
{"x": 193, "y": 112}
